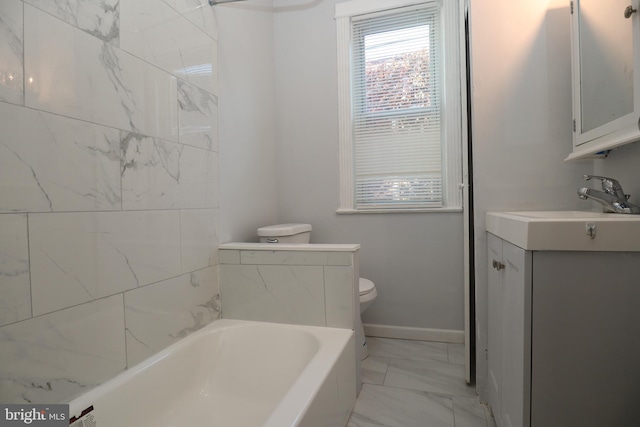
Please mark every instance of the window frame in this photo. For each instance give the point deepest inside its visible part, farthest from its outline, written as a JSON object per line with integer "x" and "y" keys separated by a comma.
{"x": 451, "y": 102}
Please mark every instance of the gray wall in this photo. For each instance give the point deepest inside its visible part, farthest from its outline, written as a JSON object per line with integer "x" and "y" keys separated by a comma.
{"x": 248, "y": 191}
{"x": 415, "y": 260}
{"x": 522, "y": 127}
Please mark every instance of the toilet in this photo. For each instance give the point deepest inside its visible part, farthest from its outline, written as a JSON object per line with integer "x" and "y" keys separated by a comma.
{"x": 301, "y": 233}
{"x": 368, "y": 293}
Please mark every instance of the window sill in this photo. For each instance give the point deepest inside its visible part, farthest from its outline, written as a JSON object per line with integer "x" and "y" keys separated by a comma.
{"x": 347, "y": 211}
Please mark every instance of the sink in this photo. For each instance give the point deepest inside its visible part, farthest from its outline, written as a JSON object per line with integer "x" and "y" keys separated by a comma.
{"x": 567, "y": 230}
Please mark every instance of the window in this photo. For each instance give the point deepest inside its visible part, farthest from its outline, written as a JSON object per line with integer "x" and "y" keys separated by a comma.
{"x": 399, "y": 147}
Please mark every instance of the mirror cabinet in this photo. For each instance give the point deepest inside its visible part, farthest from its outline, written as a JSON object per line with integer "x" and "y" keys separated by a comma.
{"x": 605, "y": 44}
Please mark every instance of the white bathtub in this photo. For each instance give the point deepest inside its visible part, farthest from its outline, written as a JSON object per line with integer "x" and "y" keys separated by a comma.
{"x": 234, "y": 374}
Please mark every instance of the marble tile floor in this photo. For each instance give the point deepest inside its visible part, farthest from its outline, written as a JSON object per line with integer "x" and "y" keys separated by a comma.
{"x": 416, "y": 384}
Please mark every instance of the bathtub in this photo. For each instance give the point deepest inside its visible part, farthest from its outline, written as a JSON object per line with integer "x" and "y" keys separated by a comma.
{"x": 233, "y": 373}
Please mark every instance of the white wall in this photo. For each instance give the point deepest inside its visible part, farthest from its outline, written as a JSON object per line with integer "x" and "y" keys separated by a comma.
{"x": 248, "y": 190}
{"x": 415, "y": 260}
{"x": 521, "y": 121}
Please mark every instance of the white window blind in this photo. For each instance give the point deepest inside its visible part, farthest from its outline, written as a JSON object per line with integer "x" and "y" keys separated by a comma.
{"x": 396, "y": 107}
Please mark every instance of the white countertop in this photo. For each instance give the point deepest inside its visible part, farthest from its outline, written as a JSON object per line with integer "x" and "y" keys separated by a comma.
{"x": 566, "y": 230}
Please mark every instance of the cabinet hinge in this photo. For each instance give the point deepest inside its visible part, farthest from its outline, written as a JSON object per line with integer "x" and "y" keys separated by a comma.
{"x": 571, "y": 8}
{"x": 574, "y": 125}
{"x": 486, "y": 354}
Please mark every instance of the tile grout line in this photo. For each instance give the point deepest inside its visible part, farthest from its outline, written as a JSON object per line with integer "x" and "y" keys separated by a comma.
{"x": 453, "y": 412}
{"x": 24, "y": 56}
{"x": 124, "y": 320}
{"x": 29, "y": 261}
{"x": 457, "y": 414}
{"x": 107, "y": 296}
{"x": 386, "y": 370}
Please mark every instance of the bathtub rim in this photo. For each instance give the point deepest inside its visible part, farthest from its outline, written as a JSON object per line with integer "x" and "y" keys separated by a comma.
{"x": 299, "y": 395}
{"x": 301, "y": 392}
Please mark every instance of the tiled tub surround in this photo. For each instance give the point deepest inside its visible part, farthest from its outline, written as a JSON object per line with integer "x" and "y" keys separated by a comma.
{"x": 95, "y": 81}
{"x": 297, "y": 284}
{"x": 11, "y": 52}
{"x": 300, "y": 284}
{"x": 156, "y": 36}
{"x": 15, "y": 303}
{"x": 109, "y": 211}
{"x": 236, "y": 373}
{"x": 98, "y": 18}
{"x": 52, "y": 163}
{"x": 159, "y": 174}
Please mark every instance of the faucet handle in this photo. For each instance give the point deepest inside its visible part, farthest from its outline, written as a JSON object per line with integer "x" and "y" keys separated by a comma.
{"x": 609, "y": 185}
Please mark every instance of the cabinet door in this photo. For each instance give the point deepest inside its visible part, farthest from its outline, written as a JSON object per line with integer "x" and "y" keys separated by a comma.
{"x": 494, "y": 326}
{"x": 586, "y": 345}
{"x": 516, "y": 342}
{"x": 509, "y": 332}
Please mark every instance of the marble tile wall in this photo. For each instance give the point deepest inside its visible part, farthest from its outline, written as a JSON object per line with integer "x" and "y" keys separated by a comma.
{"x": 109, "y": 211}
{"x": 297, "y": 287}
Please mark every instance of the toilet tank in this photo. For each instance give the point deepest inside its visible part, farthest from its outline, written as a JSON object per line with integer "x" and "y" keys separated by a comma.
{"x": 285, "y": 233}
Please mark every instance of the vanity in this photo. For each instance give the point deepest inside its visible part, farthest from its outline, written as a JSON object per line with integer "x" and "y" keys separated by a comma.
{"x": 563, "y": 318}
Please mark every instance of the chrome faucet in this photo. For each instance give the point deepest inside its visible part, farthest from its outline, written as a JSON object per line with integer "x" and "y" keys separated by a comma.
{"x": 612, "y": 198}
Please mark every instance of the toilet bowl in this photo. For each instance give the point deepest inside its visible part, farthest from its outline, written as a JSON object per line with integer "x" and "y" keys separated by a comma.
{"x": 368, "y": 293}
{"x": 301, "y": 233}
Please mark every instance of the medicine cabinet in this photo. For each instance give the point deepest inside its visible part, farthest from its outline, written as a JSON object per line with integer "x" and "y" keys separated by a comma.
{"x": 605, "y": 45}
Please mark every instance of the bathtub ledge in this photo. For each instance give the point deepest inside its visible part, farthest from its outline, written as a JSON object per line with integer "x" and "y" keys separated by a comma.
{"x": 290, "y": 247}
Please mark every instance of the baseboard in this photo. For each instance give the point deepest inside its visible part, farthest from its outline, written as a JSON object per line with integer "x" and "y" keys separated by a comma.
{"x": 418, "y": 334}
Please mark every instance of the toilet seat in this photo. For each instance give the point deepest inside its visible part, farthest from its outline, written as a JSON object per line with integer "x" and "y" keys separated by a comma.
{"x": 366, "y": 286}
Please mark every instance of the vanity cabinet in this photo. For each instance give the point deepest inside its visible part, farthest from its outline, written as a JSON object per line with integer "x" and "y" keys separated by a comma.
{"x": 509, "y": 326}
{"x": 605, "y": 58}
{"x": 563, "y": 337}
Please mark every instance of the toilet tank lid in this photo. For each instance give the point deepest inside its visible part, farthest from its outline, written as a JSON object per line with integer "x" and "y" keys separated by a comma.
{"x": 283, "y": 230}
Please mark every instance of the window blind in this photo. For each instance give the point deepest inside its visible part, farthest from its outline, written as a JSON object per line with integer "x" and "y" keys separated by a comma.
{"x": 396, "y": 105}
